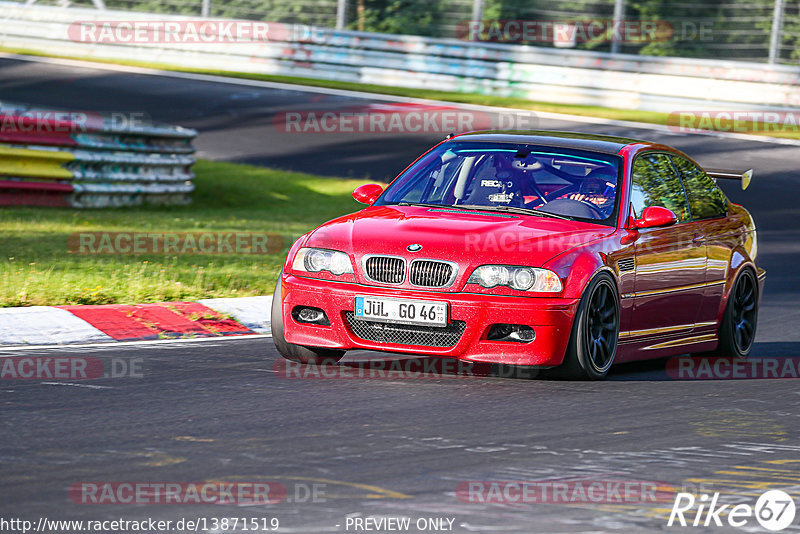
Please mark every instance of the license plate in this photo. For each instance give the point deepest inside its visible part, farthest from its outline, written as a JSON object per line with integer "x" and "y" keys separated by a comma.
{"x": 388, "y": 310}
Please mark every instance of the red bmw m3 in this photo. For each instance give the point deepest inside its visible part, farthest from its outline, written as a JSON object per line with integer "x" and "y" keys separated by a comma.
{"x": 548, "y": 249}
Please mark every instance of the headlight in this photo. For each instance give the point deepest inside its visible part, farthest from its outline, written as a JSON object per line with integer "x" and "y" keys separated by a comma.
{"x": 314, "y": 260}
{"x": 519, "y": 278}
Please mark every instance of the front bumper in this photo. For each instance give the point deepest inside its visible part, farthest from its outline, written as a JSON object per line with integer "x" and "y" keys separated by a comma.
{"x": 551, "y": 319}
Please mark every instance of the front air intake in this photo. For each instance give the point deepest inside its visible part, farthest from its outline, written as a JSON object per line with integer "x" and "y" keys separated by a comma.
{"x": 385, "y": 269}
{"x": 429, "y": 273}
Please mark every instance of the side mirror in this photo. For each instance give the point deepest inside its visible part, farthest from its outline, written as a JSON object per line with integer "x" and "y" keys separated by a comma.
{"x": 655, "y": 217}
{"x": 367, "y": 193}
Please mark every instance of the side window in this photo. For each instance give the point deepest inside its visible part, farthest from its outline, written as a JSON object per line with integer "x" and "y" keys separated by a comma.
{"x": 656, "y": 184}
{"x": 706, "y": 199}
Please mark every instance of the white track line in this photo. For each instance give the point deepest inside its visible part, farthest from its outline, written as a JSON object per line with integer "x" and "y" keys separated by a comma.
{"x": 389, "y": 98}
{"x": 114, "y": 344}
{"x": 88, "y": 386}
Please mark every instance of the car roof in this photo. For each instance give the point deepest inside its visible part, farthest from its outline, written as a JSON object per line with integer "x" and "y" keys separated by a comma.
{"x": 607, "y": 144}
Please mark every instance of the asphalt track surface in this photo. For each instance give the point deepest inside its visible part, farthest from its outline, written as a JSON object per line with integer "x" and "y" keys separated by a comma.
{"x": 393, "y": 447}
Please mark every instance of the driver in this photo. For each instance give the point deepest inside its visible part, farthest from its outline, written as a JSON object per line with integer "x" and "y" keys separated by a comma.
{"x": 598, "y": 187}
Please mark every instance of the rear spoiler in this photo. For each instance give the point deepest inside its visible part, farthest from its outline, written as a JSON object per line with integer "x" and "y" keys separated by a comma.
{"x": 744, "y": 176}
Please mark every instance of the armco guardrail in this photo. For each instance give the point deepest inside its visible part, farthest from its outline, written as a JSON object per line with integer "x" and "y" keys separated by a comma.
{"x": 541, "y": 74}
{"x": 86, "y": 160}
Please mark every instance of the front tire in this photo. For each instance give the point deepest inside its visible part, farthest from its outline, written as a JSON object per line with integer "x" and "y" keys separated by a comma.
{"x": 595, "y": 333}
{"x": 290, "y": 351}
{"x": 737, "y": 330}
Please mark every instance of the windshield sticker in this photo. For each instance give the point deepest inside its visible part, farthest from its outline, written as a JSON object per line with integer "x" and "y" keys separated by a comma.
{"x": 505, "y": 198}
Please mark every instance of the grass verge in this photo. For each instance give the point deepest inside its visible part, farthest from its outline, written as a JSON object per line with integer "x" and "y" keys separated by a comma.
{"x": 37, "y": 269}
{"x": 650, "y": 117}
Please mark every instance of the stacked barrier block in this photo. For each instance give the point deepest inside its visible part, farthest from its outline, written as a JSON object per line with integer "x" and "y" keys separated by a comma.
{"x": 82, "y": 160}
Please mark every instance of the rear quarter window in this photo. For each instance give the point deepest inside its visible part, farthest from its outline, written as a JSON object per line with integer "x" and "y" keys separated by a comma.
{"x": 706, "y": 199}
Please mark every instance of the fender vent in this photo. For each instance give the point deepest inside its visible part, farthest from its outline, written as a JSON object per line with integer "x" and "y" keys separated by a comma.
{"x": 627, "y": 264}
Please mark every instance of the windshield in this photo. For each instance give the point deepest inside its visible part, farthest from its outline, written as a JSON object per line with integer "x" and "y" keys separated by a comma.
{"x": 544, "y": 181}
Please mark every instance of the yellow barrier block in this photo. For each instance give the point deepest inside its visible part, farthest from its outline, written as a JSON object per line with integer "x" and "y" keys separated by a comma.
{"x": 34, "y": 163}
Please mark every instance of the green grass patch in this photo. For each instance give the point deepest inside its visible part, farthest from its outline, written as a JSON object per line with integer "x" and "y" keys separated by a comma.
{"x": 484, "y": 99}
{"x": 36, "y": 267}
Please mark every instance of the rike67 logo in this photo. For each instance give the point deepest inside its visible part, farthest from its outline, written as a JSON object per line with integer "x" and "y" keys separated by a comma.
{"x": 774, "y": 510}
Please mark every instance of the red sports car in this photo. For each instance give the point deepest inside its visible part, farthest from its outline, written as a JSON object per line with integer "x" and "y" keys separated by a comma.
{"x": 546, "y": 249}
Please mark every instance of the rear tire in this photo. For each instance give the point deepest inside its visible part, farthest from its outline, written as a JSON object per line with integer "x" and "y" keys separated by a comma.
{"x": 737, "y": 330}
{"x": 290, "y": 351}
{"x": 595, "y": 333}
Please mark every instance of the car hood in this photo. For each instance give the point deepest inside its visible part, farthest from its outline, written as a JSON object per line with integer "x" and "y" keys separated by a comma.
{"x": 468, "y": 238}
